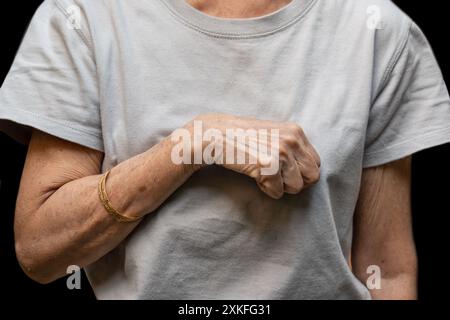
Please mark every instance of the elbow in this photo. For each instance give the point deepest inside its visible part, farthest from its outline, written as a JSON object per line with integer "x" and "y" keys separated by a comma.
{"x": 34, "y": 261}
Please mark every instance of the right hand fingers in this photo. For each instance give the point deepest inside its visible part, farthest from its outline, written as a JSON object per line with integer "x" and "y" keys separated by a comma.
{"x": 272, "y": 185}
{"x": 292, "y": 176}
{"x": 299, "y": 164}
{"x": 306, "y": 156}
{"x": 309, "y": 167}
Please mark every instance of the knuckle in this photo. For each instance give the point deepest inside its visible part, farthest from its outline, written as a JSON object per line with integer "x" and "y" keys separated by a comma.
{"x": 283, "y": 152}
{"x": 295, "y": 129}
{"x": 292, "y": 141}
{"x": 298, "y": 188}
{"x": 278, "y": 194}
{"x": 255, "y": 173}
{"x": 314, "y": 175}
{"x": 295, "y": 189}
{"x": 295, "y": 186}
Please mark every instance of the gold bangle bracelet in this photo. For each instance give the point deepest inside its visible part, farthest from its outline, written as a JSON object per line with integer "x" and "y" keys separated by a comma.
{"x": 107, "y": 204}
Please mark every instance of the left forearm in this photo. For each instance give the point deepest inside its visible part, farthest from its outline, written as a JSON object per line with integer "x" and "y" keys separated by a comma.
{"x": 401, "y": 285}
{"x": 382, "y": 233}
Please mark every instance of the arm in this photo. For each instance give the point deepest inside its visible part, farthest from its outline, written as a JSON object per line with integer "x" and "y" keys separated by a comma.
{"x": 383, "y": 231}
{"x": 59, "y": 219}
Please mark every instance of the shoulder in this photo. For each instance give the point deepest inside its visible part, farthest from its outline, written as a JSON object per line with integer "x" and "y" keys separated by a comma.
{"x": 384, "y": 26}
{"x": 383, "y": 17}
{"x": 378, "y": 23}
{"x": 67, "y": 16}
{"x": 84, "y": 7}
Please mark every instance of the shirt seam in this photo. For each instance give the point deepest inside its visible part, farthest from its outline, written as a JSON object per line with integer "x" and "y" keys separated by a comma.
{"x": 62, "y": 123}
{"x": 424, "y": 136}
{"x": 394, "y": 60}
{"x": 237, "y": 35}
{"x": 80, "y": 33}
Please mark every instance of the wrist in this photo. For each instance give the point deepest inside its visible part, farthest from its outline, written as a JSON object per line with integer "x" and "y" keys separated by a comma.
{"x": 187, "y": 150}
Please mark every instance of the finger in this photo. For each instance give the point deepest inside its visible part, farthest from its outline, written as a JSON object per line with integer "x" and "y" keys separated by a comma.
{"x": 292, "y": 177}
{"x": 307, "y": 145}
{"x": 313, "y": 152}
{"x": 306, "y": 149}
{"x": 309, "y": 170}
{"x": 272, "y": 185}
{"x": 308, "y": 161}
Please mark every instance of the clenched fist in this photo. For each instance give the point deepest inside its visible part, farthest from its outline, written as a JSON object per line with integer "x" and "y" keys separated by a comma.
{"x": 277, "y": 155}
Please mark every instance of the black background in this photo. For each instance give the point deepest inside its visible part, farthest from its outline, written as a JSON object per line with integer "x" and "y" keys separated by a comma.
{"x": 430, "y": 190}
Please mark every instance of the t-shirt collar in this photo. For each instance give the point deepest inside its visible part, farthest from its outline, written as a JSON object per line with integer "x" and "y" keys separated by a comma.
{"x": 233, "y": 27}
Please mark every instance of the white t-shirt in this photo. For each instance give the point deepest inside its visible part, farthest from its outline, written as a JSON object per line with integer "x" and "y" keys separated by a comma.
{"x": 118, "y": 76}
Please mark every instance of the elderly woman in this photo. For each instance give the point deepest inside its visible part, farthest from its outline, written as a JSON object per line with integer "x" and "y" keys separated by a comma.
{"x": 99, "y": 89}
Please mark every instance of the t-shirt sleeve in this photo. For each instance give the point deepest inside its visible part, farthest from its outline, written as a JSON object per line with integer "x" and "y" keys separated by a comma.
{"x": 52, "y": 84}
{"x": 412, "y": 110}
